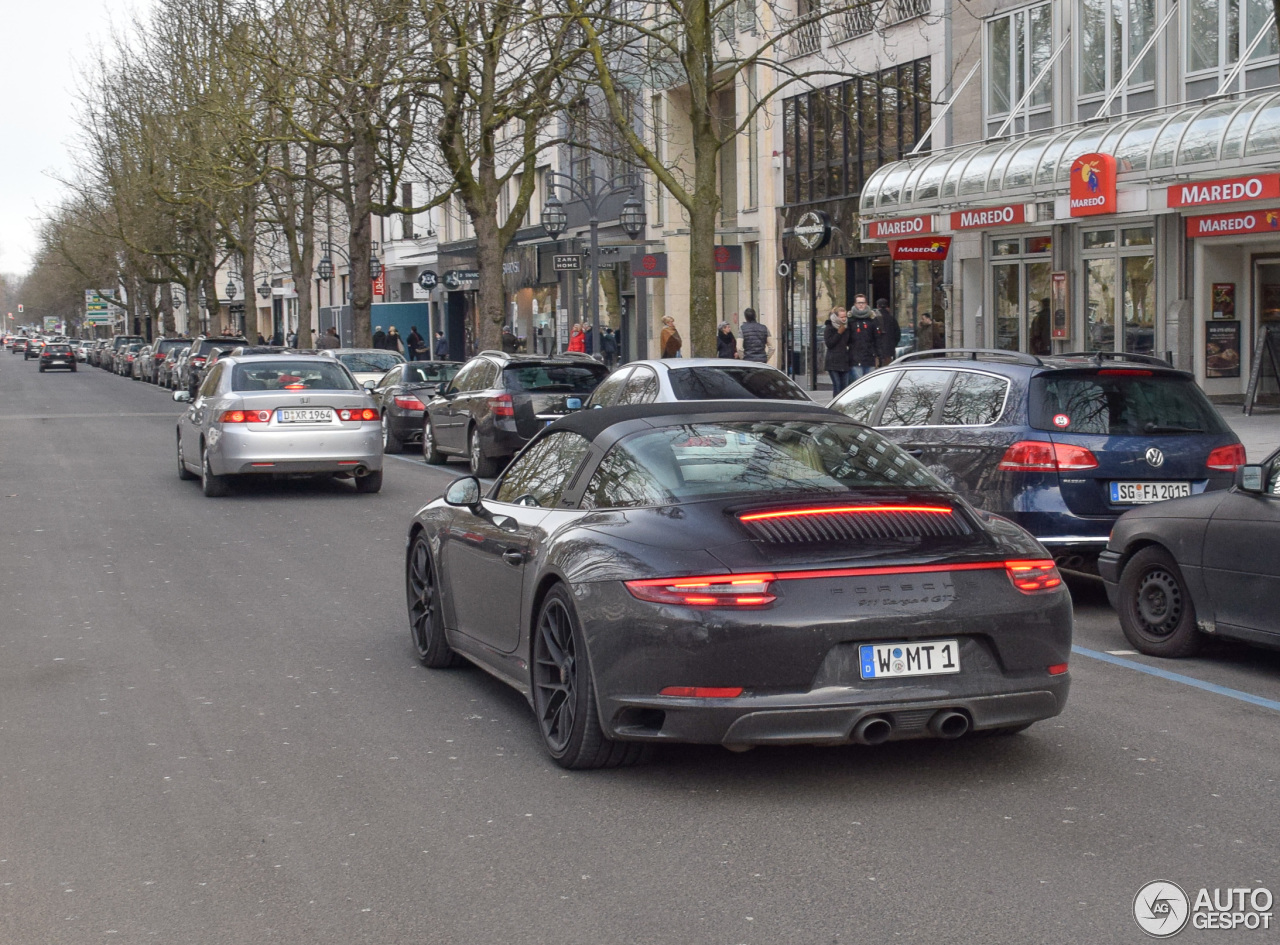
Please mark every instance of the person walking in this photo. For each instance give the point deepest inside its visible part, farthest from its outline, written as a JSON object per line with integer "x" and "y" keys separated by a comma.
{"x": 588, "y": 339}
{"x": 577, "y": 340}
{"x": 442, "y": 347}
{"x": 670, "y": 342}
{"x": 329, "y": 339}
{"x": 417, "y": 345}
{"x": 292, "y": 339}
{"x": 609, "y": 348}
{"x": 379, "y": 337}
{"x": 394, "y": 342}
{"x": 756, "y": 345}
{"x": 865, "y": 342}
{"x": 890, "y": 333}
{"x": 838, "y": 341}
{"x": 510, "y": 341}
{"x": 726, "y": 342}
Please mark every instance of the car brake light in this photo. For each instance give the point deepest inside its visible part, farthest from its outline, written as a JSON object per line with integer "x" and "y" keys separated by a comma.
{"x": 725, "y": 590}
{"x": 1038, "y": 456}
{"x": 356, "y": 414}
{"x": 502, "y": 406}
{"x": 1229, "y": 458}
{"x": 1057, "y": 669}
{"x": 703, "y": 692}
{"x": 1034, "y": 577}
{"x": 1125, "y": 372}
{"x": 409, "y": 402}
{"x": 246, "y": 416}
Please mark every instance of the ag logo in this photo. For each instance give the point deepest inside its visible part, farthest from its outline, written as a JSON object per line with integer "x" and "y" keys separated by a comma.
{"x": 1161, "y": 908}
{"x": 1155, "y": 458}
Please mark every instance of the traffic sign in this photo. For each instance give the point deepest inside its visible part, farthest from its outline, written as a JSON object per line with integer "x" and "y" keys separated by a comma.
{"x": 566, "y": 263}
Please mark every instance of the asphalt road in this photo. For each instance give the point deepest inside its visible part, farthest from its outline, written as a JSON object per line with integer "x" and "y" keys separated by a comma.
{"x": 213, "y": 730}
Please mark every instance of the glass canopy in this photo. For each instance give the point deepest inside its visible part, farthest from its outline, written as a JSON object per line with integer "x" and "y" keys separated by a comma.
{"x": 1190, "y": 140}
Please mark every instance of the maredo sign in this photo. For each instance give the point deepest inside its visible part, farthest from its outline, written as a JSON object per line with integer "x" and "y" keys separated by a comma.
{"x": 1233, "y": 224}
{"x": 1226, "y": 190}
{"x": 1093, "y": 185}
{"x": 902, "y": 226}
{"x": 920, "y": 247}
{"x": 989, "y": 216}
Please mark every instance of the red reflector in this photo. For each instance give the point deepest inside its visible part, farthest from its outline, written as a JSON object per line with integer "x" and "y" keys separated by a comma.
{"x": 502, "y": 406}
{"x": 842, "y": 510}
{"x": 1125, "y": 372}
{"x": 1057, "y": 669}
{"x": 409, "y": 402}
{"x": 1038, "y": 456}
{"x": 703, "y": 692}
{"x": 348, "y": 462}
{"x": 1034, "y": 577}
{"x": 262, "y": 464}
{"x": 1228, "y": 458}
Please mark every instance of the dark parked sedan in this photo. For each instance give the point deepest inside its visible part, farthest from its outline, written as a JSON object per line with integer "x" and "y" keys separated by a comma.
{"x": 736, "y": 574}
{"x": 1209, "y": 564}
{"x": 402, "y": 397}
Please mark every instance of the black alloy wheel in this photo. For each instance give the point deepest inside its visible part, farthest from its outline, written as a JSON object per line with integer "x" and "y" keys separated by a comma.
{"x": 482, "y": 467}
{"x": 564, "y": 695}
{"x": 1157, "y": 614}
{"x": 425, "y": 624}
{"x": 430, "y": 451}
{"x": 390, "y": 442}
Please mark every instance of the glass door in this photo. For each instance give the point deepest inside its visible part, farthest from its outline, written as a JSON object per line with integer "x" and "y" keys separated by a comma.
{"x": 1007, "y": 282}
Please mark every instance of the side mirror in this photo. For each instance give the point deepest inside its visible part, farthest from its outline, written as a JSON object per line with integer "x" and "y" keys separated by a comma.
{"x": 181, "y": 396}
{"x": 463, "y": 493}
{"x": 370, "y": 384}
{"x": 1250, "y": 478}
{"x": 573, "y": 403}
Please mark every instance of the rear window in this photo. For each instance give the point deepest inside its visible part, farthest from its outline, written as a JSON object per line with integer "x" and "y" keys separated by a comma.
{"x": 371, "y": 362}
{"x": 1121, "y": 402}
{"x": 733, "y": 382}
{"x": 58, "y": 349}
{"x": 170, "y": 344}
{"x": 290, "y": 375}
{"x": 554, "y": 378}
{"x": 206, "y": 345}
{"x": 426, "y": 372}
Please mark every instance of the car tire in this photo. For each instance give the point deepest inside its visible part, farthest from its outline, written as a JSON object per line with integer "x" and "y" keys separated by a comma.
{"x": 390, "y": 442}
{"x": 369, "y": 482}
{"x": 426, "y": 625}
{"x": 430, "y": 452}
{"x": 564, "y": 696}
{"x": 214, "y": 486}
{"x": 183, "y": 472}
{"x": 41, "y": 369}
{"x": 1157, "y": 614}
{"x": 482, "y": 467}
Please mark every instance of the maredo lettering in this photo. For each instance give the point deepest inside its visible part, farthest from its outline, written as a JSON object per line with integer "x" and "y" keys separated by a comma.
{"x": 1230, "y": 224}
{"x": 905, "y": 226}
{"x": 1227, "y": 190}
{"x": 992, "y": 216}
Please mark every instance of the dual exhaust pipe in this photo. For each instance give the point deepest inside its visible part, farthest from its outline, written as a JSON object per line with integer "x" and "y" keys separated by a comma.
{"x": 877, "y": 729}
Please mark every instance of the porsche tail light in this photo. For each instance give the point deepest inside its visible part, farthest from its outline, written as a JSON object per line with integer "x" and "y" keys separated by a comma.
{"x": 502, "y": 406}
{"x": 409, "y": 402}
{"x": 1034, "y": 577}
{"x": 722, "y": 590}
{"x": 703, "y": 692}
{"x": 1039, "y": 456}
{"x": 355, "y": 413}
{"x": 1228, "y": 458}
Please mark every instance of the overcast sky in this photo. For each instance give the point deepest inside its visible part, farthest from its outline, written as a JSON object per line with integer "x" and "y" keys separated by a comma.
{"x": 45, "y": 42}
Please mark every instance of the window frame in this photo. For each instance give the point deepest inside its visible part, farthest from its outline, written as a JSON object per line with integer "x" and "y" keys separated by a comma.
{"x": 1019, "y": 79}
{"x": 1126, "y": 52}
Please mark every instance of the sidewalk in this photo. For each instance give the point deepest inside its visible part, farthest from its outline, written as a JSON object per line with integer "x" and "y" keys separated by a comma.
{"x": 1259, "y": 433}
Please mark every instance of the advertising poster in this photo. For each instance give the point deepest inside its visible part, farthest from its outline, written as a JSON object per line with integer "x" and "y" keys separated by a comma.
{"x": 1222, "y": 349}
{"x": 1058, "y": 290}
{"x": 1224, "y": 300}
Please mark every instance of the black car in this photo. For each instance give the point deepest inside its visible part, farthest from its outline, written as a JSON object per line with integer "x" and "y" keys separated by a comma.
{"x": 498, "y": 401}
{"x": 1179, "y": 571}
{"x": 1062, "y": 445}
{"x": 736, "y": 574}
{"x": 402, "y": 394}
{"x": 201, "y": 349}
{"x": 57, "y": 355}
{"x": 108, "y": 358}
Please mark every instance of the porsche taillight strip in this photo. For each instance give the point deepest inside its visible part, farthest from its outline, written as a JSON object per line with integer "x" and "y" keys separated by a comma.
{"x": 842, "y": 510}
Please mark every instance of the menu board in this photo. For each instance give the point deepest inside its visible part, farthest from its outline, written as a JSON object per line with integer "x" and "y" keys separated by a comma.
{"x": 1222, "y": 349}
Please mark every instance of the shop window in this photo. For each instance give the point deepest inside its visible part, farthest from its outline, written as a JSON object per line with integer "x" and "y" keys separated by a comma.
{"x": 1020, "y": 295}
{"x": 1019, "y": 46}
{"x": 1039, "y": 245}
{"x": 919, "y": 305}
{"x": 1005, "y": 248}
{"x": 1139, "y": 236}
{"x": 1119, "y": 291}
{"x": 1096, "y": 239}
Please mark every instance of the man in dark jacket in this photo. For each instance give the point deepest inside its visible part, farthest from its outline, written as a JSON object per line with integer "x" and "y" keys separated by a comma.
{"x": 890, "y": 332}
{"x": 417, "y": 345}
{"x": 379, "y": 338}
{"x": 837, "y": 338}
{"x": 865, "y": 341}
{"x": 755, "y": 338}
{"x": 609, "y": 347}
{"x": 442, "y": 347}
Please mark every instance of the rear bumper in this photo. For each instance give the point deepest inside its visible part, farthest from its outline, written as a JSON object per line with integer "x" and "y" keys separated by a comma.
{"x": 296, "y": 451}
{"x": 407, "y": 427}
{"x": 1109, "y": 569}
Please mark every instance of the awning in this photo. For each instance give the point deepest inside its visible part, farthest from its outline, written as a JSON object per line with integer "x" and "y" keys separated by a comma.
{"x": 1188, "y": 142}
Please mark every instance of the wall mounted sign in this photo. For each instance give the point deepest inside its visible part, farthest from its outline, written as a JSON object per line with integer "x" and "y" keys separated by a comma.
{"x": 980, "y": 219}
{"x": 1061, "y": 324}
{"x": 1093, "y": 185}
{"x": 902, "y": 226}
{"x": 1234, "y": 224}
{"x": 728, "y": 259}
{"x": 1223, "y": 302}
{"x": 566, "y": 262}
{"x": 1225, "y": 190}
{"x": 1222, "y": 349}
{"x": 649, "y": 266}
{"x": 920, "y": 247}
{"x": 427, "y": 279}
{"x": 380, "y": 285}
{"x": 813, "y": 230}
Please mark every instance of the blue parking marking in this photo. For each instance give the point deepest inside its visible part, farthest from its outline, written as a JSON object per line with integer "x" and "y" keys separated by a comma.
{"x": 1179, "y": 678}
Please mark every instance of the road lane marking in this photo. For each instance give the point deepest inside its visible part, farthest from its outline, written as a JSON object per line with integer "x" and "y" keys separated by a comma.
{"x": 1179, "y": 678}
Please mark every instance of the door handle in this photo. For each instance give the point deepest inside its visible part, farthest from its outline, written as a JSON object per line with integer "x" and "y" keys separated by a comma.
{"x": 513, "y": 557}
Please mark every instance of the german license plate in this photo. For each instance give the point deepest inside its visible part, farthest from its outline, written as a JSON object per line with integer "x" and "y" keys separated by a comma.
{"x": 1140, "y": 493}
{"x": 304, "y": 414}
{"x": 894, "y": 660}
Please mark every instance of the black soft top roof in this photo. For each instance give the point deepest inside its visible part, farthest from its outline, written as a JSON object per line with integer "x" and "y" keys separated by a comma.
{"x": 591, "y": 423}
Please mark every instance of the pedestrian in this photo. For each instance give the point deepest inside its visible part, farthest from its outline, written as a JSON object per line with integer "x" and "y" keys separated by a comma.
{"x": 261, "y": 340}
{"x": 670, "y": 341}
{"x": 839, "y": 344}
{"x": 379, "y": 338}
{"x": 278, "y": 338}
{"x": 756, "y": 345}
{"x": 890, "y": 333}
{"x": 726, "y": 342}
{"x": 510, "y": 343}
{"x": 417, "y": 345}
{"x": 577, "y": 340}
{"x": 609, "y": 347}
{"x": 393, "y": 341}
{"x": 329, "y": 339}
{"x": 292, "y": 339}
{"x": 865, "y": 342}
{"x": 588, "y": 339}
{"x": 442, "y": 347}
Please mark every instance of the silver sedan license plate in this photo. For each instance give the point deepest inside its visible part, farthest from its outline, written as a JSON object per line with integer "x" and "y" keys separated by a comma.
{"x": 892, "y": 660}
{"x": 1140, "y": 493}
{"x": 304, "y": 414}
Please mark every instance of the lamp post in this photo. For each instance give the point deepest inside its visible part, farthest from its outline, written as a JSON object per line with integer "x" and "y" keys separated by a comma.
{"x": 593, "y": 191}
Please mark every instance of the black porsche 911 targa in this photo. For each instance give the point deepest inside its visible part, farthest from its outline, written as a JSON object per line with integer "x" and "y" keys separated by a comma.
{"x": 736, "y": 574}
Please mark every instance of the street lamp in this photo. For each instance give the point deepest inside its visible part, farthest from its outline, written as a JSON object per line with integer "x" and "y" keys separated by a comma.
{"x": 325, "y": 267}
{"x": 264, "y": 290}
{"x": 231, "y": 289}
{"x": 593, "y": 191}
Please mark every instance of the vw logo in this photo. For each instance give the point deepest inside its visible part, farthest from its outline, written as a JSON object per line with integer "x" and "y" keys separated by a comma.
{"x": 1155, "y": 458}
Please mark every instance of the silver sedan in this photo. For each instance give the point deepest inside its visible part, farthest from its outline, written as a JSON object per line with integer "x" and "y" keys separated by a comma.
{"x": 279, "y": 414}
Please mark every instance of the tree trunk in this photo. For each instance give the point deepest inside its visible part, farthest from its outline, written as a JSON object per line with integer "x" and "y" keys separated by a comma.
{"x": 167, "y": 325}
{"x": 490, "y": 300}
{"x": 703, "y": 304}
{"x": 360, "y": 240}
